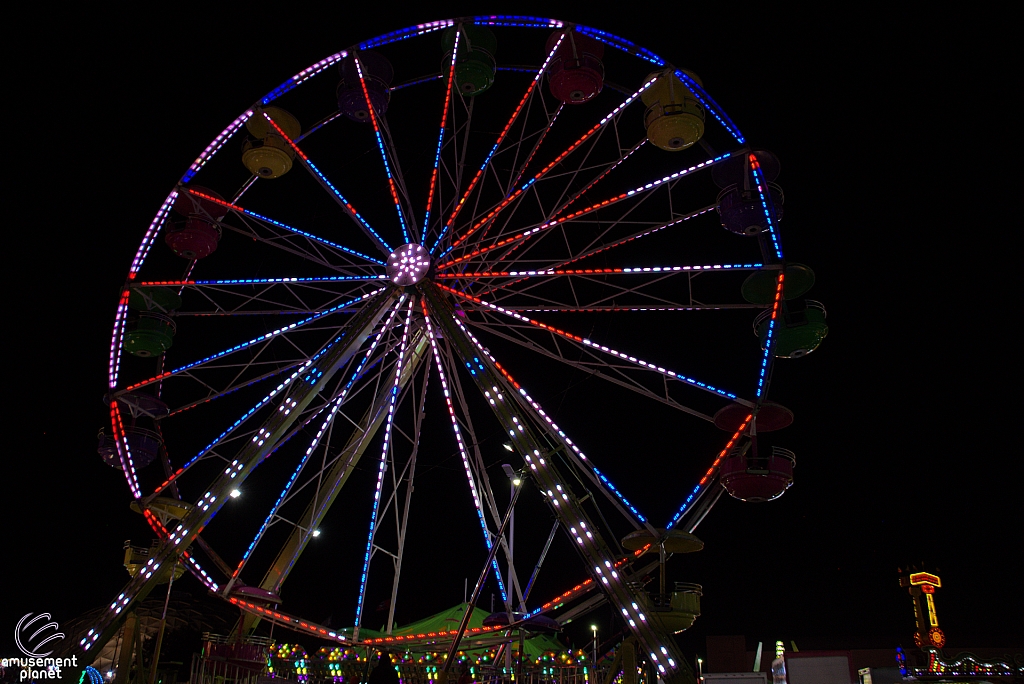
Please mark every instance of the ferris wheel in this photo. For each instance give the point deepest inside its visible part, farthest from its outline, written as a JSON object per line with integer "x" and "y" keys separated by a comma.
{"x": 379, "y": 269}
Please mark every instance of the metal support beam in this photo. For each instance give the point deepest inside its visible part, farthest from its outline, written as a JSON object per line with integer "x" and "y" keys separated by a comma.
{"x": 538, "y": 445}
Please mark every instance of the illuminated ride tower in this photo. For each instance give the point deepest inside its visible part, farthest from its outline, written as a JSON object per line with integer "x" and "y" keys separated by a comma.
{"x": 922, "y": 586}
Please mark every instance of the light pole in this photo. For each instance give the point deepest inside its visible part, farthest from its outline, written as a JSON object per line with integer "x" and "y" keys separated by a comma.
{"x": 593, "y": 628}
{"x": 700, "y": 670}
{"x": 514, "y": 481}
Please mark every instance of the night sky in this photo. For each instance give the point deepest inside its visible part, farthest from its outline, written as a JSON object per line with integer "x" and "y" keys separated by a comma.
{"x": 892, "y": 135}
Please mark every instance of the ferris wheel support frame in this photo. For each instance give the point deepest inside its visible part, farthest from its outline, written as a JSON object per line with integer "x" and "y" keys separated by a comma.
{"x": 334, "y": 481}
{"x": 335, "y": 355}
{"x": 595, "y": 551}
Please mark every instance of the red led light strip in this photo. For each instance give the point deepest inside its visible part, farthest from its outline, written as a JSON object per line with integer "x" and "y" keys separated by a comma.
{"x": 348, "y": 206}
{"x": 577, "y": 195}
{"x": 376, "y": 129}
{"x": 501, "y": 138}
{"x": 477, "y": 300}
{"x": 444, "y": 121}
{"x": 162, "y": 532}
{"x": 123, "y": 452}
{"x": 540, "y": 174}
{"x": 577, "y": 214}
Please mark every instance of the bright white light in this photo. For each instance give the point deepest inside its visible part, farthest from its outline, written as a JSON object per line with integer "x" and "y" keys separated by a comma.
{"x": 316, "y": 533}
{"x": 516, "y": 481}
{"x": 508, "y": 446}
{"x": 235, "y": 493}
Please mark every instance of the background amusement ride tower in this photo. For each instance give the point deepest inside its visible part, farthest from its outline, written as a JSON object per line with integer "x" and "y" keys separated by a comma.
{"x": 922, "y": 586}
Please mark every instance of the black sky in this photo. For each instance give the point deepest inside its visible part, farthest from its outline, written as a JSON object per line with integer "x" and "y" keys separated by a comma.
{"x": 896, "y": 138}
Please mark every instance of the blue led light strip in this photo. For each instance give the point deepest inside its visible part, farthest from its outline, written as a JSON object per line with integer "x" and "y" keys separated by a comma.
{"x": 345, "y": 204}
{"x": 382, "y": 464}
{"x": 335, "y": 405}
{"x": 709, "y": 475}
{"x": 593, "y": 345}
{"x": 462, "y": 450}
{"x": 305, "y": 365}
{"x": 516, "y": 20}
{"x": 621, "y": 44}
{"x": 263, "y": 402}
{"x": 761, "y": 386}
{"x": 267, "y": 336}
{"x": 710, "y": 105}
{"x": 255, "y": 340}
{"x": 303, "y": 233}
{"x": 261, "y": 281}
{"x": 767, "y": 204}
{"x": 769, "y": 345}
{"x": 605, "y": 482}
{"x": 418, "y": 81}
{"x": 383, "y": 152}
{"x": 497, "y": 144}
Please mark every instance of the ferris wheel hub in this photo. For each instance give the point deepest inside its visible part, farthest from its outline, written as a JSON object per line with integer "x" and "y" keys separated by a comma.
{"x": 408, "y": 264}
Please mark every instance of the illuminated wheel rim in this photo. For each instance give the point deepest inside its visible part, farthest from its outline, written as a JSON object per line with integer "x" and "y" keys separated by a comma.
{"x": 561, "y": 238}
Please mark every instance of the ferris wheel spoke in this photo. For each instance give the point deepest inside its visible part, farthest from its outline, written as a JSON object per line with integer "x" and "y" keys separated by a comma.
{"x": 622, "y": 375}
{"x": 332, "y": 191}
{"x": 480, "y": 472}
{"x": 263, "y": 296}
{"x": 440, "y": 138}
{"x": 227, "y": 436}
{"x": 597, "y": 179}
{"x": 644, "y": 287}
{"x": 639, "y": 193}
{"x": 566, "y": 179}
{"x": 596, "y": 247}
{"x": 585, "y": 343}
{"x": 383, "y": 461}
{"x": 492, "y": 215}
{"x": 537, "y": 448}
{"x": 463, "y": 452}
{"x": 533, "y": 151}
{"x": 406, "y": 225}
{"x": 501, "y": 136}
{"x": 262, "y": 338}
{"x": 270, "y": 222}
